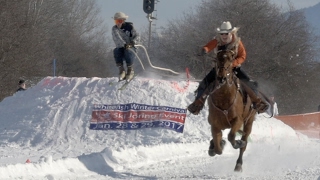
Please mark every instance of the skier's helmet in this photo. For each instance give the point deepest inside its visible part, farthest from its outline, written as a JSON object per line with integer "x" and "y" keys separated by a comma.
{"x": 120, "y": 15}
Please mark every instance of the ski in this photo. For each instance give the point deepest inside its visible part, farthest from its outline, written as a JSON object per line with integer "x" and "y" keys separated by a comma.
{"x": 115, "y": 81}
{"x": 126, "y": 83}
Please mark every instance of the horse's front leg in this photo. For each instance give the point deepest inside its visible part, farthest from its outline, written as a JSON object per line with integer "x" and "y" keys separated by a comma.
{"x": 232, "y": 135}
{"x": 217, "y": 143}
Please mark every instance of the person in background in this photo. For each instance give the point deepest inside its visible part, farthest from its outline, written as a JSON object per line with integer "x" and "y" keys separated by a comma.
{"x": 227, "y": 39}
{"x": 22, "y": 85}
{"x": 275, "y": 107}
{"x": 124, "y": 36}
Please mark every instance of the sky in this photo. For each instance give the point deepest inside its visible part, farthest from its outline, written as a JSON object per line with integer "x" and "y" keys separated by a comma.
{"x": 166, "y": 10}
{"x": 48, "y": 125}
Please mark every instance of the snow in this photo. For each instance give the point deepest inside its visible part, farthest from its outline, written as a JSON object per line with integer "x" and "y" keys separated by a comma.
{"x": 48, "y": 124}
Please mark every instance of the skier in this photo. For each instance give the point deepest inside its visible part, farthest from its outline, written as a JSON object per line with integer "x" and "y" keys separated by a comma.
{"x": 227, "y": 38}
{"x": 124, "y": 36}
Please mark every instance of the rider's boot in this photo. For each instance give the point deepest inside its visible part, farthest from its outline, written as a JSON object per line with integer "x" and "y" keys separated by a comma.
{"x": 122, "y": 72}
{"x": 202, "y": 93}
{"x": 259, "y": 104}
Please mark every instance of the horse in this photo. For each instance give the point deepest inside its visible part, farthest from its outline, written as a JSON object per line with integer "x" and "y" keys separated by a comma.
{"x": 229, "y": 107}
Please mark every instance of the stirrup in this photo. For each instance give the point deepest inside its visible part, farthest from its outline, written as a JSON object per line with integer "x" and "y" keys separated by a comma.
{"x": 261, "y": 106}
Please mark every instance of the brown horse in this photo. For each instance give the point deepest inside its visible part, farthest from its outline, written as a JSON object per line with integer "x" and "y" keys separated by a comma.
{"x": 230, "y": 108}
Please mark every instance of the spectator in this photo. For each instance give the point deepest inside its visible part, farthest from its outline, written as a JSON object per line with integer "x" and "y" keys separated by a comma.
{"x": 22, "y": 85}
{"x": 275, "y": 107}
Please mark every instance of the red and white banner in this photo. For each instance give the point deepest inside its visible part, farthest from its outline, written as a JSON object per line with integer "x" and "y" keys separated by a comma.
{"x": 136, "y": 116}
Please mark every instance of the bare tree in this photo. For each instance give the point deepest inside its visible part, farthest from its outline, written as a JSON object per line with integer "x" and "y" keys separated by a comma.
{"x": 81, "y": 41}
{"x": 34, "y": 32}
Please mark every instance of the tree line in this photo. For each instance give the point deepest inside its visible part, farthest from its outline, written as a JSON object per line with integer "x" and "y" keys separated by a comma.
{"x": 281, "y": 48}
{"x": 35, "y": 32}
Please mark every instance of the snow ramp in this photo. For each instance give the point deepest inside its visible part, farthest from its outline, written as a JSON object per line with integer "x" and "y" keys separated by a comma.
{"x": 52, "y": 120}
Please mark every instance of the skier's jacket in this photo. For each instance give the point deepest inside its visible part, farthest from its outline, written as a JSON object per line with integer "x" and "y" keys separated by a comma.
{"x": 235, "y": 45}
{"x": 124, "y": 35}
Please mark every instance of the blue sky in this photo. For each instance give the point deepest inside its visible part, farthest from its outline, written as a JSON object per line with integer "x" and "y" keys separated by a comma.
{"x": 166, "y": 10}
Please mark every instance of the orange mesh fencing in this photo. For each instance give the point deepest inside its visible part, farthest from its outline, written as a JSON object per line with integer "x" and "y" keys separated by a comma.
{"x": 302, "y": 121}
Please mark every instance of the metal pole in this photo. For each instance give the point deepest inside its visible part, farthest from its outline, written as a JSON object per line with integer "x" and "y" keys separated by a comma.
{"x": 54, "y": 67}
{"x": 150, "y": 23}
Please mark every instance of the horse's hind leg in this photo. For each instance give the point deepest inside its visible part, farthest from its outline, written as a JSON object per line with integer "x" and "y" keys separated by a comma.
{"x": 247, "y": 131}
{"x": 238, "y": 167}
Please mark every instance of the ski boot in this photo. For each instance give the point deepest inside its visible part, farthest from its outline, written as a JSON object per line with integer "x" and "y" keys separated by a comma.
{"x": 122, "y": 72}
{"x": 130, "y": 73}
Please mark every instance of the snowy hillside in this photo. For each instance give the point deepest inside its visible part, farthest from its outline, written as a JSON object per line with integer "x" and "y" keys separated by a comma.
{"x": 49, "y": 125}
{"x": 312, "y": 15}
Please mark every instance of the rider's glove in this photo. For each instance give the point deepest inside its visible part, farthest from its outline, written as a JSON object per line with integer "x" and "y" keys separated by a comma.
{"x": 129, "y": 45}
{"x": 203, "y": 52}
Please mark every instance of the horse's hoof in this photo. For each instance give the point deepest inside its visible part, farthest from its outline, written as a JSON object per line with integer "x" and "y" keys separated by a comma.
{"x": 239, "y": 144}
{"x": 223, "y": 143}
{"x": 238, "y": 168}
{"x": 211, "y": 144}
{"x": 211, "y": 152}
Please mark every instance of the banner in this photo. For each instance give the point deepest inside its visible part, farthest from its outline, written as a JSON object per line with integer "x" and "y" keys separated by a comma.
{"x": 136, "y": 116}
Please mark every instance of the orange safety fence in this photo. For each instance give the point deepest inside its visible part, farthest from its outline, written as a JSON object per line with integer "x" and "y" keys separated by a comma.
{"x": 302, "y": 121}
{"x": 308, "y": 124}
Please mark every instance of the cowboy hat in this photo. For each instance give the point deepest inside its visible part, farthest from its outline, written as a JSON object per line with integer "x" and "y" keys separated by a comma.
{"x": 226, "y": 27}
{"x": 120, "y": 15}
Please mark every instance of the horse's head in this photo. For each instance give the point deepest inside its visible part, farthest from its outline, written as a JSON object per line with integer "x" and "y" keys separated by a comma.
{"x": 224, "y": 65}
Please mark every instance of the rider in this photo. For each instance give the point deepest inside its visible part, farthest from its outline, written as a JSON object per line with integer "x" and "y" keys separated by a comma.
{"x": 227, "y": 39}
{"x": 124, "y": 36}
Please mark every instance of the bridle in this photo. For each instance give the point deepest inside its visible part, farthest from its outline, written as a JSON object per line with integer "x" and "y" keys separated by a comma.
{"x": 229, "y": 76}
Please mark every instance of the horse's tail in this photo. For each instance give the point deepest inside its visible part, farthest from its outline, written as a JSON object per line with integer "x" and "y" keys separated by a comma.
{"x": 270, "y": 102}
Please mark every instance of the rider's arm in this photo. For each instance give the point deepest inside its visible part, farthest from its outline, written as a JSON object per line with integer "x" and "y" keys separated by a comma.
{"x": 117, "y": 37}
{"x": 241, "y": 57}
{"x": 211, "y": 45}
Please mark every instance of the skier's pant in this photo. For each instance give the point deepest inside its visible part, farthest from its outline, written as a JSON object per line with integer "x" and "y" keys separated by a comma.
{"x": 122, "y": 54}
